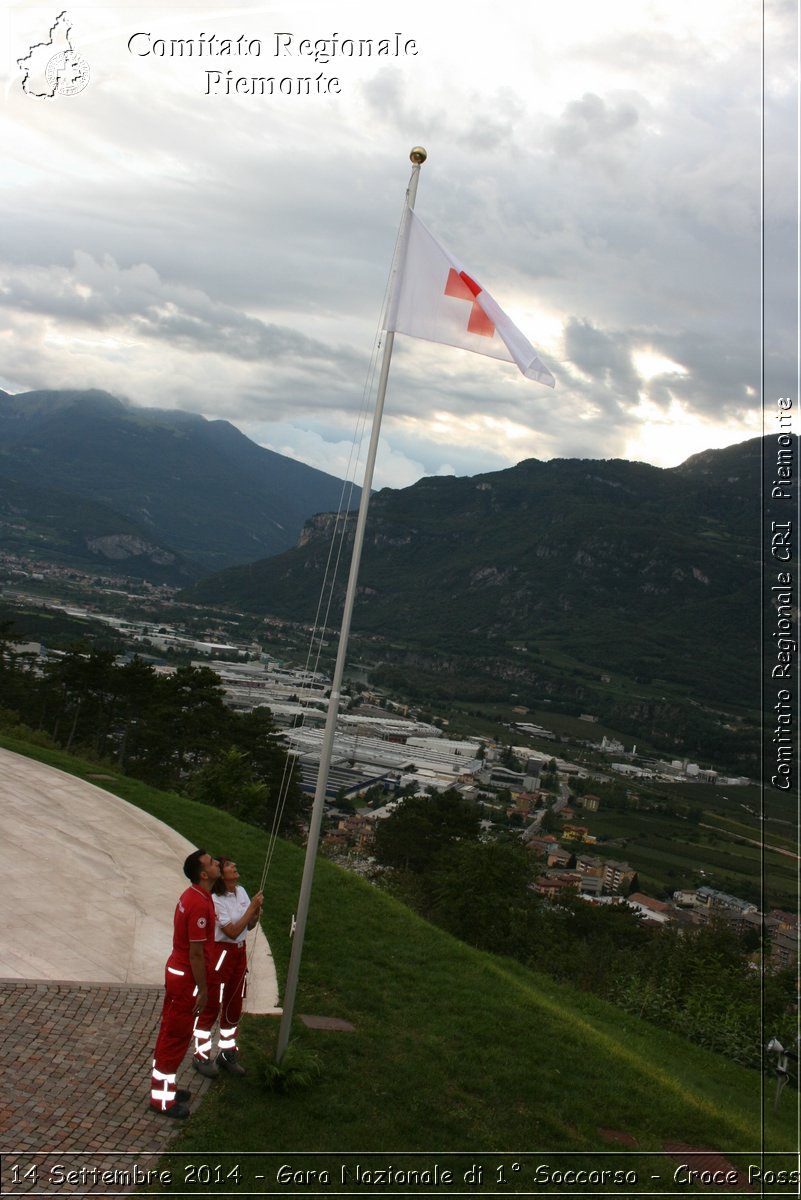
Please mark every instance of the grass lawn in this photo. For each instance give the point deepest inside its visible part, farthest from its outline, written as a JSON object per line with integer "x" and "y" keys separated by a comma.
{"x": 458, "y": 1058}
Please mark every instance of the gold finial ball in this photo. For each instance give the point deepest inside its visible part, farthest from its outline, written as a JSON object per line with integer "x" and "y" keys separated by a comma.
{"x": 418, "y": 156}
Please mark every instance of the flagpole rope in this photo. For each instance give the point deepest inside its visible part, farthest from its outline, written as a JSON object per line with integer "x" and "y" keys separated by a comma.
{"x": 336, "y": 545}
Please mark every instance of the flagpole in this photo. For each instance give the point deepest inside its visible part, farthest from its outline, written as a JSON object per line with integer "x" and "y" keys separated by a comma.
{"x": 418, "y": 157}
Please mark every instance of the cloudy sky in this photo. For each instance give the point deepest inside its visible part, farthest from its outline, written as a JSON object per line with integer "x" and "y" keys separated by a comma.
{"x": 182, "y": 242}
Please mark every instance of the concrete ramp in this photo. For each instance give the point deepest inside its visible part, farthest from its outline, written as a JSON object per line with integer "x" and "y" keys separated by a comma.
{"x": 91, "y": 884}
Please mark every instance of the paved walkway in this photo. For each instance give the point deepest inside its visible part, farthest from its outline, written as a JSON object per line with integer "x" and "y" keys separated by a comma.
{"x": 82, "y": 951}
{"x": 74, "y": 1078}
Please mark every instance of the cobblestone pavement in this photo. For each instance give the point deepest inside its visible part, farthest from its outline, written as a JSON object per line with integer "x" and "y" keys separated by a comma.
{"x": 74, "y": 1081}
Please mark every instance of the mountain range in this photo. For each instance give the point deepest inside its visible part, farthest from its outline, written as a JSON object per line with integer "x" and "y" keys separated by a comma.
{"x": 86, "y": 478}
{"x": 546, "y": 571}
{"x": 590, "y": 585}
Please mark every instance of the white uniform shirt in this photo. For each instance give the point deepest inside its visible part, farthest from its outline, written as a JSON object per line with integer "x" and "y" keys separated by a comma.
{"x": 230, "y": 908}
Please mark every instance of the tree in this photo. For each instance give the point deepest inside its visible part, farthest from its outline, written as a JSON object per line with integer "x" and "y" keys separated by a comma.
{"x": 78, "y": 697}
{"x": 136, "y": 682}
{"x": 6, "y": 645}
{"x": 550, "y": 822}
{"x": 509, "y": 760}
{"x": 412, "y": 837}
{"x": 479, "y": 892}
{"x": 254, "y": 732}
{"x": 185, "y": 727}
{"x": 229, "y": 782}
{"x": 16, "y": 683}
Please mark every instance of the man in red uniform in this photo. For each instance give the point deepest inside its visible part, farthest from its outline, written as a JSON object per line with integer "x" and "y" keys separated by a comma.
{"x": 186, "y": 992}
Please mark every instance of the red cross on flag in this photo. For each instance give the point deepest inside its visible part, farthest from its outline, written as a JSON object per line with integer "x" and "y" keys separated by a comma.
{"x": 435, "y": 299}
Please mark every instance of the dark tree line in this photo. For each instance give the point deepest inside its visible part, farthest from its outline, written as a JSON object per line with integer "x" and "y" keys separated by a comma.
{"x": 699, "y": 982}
{"x": 173, "y": 731}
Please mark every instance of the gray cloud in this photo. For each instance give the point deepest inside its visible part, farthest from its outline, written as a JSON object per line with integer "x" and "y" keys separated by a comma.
{"x": 231, "y": 257}
{"x": 591, "y": 123}
{"x": 103, "y": 296}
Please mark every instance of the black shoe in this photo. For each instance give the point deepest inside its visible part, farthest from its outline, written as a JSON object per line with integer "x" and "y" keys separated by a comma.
{"x": 182, "y": 1095}
{"x": 206, "y": 1067}
{"x": 230, "y": 1060}
{"x": 178, "y": 1112}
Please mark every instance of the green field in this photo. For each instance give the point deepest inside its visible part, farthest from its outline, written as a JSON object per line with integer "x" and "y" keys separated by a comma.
{"x": 669, "y": 852}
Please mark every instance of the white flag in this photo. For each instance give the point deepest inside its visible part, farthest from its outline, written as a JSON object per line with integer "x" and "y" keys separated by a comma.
{"x": 435, "y": 299}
